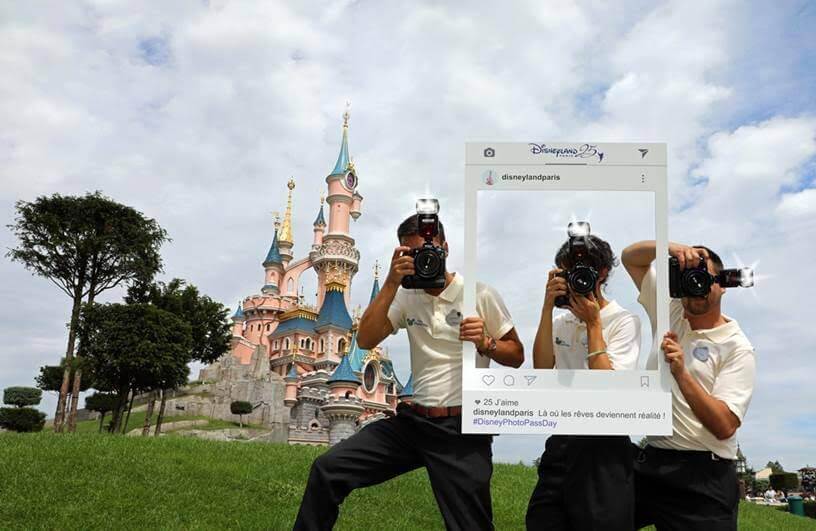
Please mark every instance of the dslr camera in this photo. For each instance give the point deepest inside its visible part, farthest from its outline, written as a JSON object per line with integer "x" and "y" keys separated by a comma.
{"x": 696, "y": 281}
{"x": 582, "y": 277}
{"x": 429, "y": 260}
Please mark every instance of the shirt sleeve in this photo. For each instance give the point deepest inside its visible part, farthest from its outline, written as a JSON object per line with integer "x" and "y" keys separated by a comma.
{"x": 395, "y": 312}
{"x": 735, "y": 381}
{"x": 491, "y": 308}
{"x": 648, "y": 296}
{"x": 623, "y": 344}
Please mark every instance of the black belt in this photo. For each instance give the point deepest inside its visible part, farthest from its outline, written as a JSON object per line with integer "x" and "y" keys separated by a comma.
{"x": 697, "y": 456}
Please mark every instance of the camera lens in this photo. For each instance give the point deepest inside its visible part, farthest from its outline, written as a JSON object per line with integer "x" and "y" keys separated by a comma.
{"x": 427, "y": 263}
{"x": 696, "y": 282}
{"x": 582, "y": 279}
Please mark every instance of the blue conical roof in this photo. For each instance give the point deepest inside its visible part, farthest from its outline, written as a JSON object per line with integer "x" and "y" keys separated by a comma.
{"x": 239, "y": 313}
{"x": 343, "y": 373}
{"x": 273, "y": 256}
{"x": 375, "y": 289}
{"x": 408, "y": 388}
{"x": 356, "y": 355}
{"x": 334, "y": 311}
{"x": 292, "y": 375}
{"x": 343, "y": 157}
{"x": 320, "y": 220}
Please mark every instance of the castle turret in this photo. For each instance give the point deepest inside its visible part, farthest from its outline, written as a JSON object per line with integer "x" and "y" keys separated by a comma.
{"x": 273, "y": 266}
{"x": 375, "y": 289}
{"x": 238, "y": 321}
{"x": 319, "y": 227}
{"x": 407, "y": 392}
{"x": 285, "y": 240}
{"x": 342, "y": 406}
{"x": 291, "y": 380}
{"x": 336, "y": 259}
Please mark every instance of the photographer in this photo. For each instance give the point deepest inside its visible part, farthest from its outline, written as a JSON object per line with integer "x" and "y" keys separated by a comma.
{"x": 426, "y": 432}
{"x": 585, "y": 482}
{"x": 688, "y": 480}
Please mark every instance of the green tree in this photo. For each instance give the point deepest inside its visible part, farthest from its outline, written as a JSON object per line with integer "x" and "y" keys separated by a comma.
{"x": 240, "y": 408}
{"x": 84, "y": 245}
{"x": 775, "y": 466}
{"x": 206, "y": 317}
{"x": 102, "y": 403}
{"x": 784, "y": 481}
{"x": 50, "y": 378}
{"x": 22, "y": 396}
{"x": 21, "y": 417}
{"x": 134, "y": 347}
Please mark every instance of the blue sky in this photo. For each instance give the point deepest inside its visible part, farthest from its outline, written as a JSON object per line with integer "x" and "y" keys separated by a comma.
{"x": 197, "y": 113}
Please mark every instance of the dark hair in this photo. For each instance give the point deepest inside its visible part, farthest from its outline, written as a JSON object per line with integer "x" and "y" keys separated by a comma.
{"x": 410, "y": 227}
{"x": 600, "y": 252}
{"x": 715, "y": 258}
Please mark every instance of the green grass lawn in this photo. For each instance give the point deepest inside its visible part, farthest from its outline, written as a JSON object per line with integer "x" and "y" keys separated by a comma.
{"x": 137, "y": 421}
{"x": 87, "y": 481}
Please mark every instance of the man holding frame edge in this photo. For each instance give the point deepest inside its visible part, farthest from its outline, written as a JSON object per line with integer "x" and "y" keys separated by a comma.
{"x": 688, "y": 480}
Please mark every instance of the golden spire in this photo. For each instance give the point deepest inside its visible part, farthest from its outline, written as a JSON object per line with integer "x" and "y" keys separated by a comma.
{"x": 376, "y": 269}
{"x": 286, "y": 230}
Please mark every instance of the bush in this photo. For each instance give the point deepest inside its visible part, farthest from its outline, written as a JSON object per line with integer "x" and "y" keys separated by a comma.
{"x": 240, "y": 407}
{"x": 810, "y": 509}
{"x": 22, "y": 396}
{"x": 784, "y": 481}
{"x": 21, "y": 419}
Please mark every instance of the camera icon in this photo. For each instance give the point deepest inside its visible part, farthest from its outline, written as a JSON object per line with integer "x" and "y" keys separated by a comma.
{"x": 489, "y": 152}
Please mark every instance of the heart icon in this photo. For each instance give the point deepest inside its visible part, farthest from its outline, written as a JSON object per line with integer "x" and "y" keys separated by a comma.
{"x": 478, "y": 402}
{"x": 488, "y": 379}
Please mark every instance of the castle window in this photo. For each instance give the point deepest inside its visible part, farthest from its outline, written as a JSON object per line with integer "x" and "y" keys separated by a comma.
{"x": 286, "y": 343}
{"x": 267, "y": 328}
{"x": 321, "y": 344}
{"x": 341, "y": 346}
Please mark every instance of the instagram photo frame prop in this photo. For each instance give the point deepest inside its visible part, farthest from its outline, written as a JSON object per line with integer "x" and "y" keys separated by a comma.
{"x": 498, "y": 399}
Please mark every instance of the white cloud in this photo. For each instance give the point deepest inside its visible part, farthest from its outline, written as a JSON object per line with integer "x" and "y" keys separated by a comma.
{"x": 197, "y": 114}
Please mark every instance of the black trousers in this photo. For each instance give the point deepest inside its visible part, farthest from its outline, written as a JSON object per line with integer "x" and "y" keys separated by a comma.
{"x": 685, "y": 490}
{"x": 584, "y": 482}
{"x": 459, "y": 467}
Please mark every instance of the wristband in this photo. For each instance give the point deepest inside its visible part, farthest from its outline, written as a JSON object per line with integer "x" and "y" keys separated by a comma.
{"x": 596, "y": 353}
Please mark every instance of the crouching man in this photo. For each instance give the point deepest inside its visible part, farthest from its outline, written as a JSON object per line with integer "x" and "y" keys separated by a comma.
{"x": 427, "y": 432}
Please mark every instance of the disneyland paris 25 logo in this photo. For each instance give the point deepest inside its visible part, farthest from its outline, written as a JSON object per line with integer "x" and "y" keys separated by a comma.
{"x": 585, "y": 151}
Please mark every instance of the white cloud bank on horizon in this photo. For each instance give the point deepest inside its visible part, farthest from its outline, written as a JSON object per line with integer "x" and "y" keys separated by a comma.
{"x": 197, "y": 114}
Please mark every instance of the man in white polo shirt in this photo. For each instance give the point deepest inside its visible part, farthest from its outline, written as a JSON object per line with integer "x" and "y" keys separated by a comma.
{"x": 688, "y": 480}
{"x": 585, "y": 482}
{"x": 427, "y": 432}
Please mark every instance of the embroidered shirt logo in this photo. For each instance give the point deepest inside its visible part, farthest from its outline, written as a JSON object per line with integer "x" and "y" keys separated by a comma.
{"x": 561, "y": 342}
{"x": 700, "y": 352}
{"x": 415, "y": 322}
{"x": 454, "y": 318}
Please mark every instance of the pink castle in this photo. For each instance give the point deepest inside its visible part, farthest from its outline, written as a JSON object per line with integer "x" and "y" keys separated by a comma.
{"x": 332, "y": 386}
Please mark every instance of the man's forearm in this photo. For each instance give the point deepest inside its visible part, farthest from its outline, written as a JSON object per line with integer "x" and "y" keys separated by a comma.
{"x": 596, "y": 343}
{"x": 375, "y": 318}
{"x": 509, "y": 350}
{"x": 640, "y": 254}
{"x": 713, "y": 413}
{"x": 543, "y": 356}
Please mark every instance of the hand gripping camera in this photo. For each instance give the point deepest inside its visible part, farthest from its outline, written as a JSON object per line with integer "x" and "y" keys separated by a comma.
{"x": 429, "y": 260}
{"x": 696, "y": 281}
{"x": 582, "y": 277}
